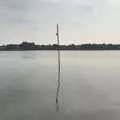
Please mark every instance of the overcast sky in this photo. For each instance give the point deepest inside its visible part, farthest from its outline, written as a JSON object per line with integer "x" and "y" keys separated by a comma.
{"x": 80, "y": 21}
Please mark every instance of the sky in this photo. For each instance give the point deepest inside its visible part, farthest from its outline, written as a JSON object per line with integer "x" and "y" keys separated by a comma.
{"x": 80, "y": 21}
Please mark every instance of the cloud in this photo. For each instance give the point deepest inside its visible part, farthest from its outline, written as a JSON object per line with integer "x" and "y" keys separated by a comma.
{"x": 36, "y": 19}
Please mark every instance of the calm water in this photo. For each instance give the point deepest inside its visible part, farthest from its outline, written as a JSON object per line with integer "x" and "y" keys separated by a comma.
{"x": 90, "y": 85}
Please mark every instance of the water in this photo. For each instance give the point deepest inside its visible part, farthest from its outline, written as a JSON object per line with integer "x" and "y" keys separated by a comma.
{"x": 89, "y": 88}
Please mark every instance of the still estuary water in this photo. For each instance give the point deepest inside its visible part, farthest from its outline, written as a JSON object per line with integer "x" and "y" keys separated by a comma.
{"x": 89, "y": 85}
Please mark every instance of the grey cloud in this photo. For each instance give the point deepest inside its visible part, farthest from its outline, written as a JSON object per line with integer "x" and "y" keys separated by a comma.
{"x": 36, "y": 19}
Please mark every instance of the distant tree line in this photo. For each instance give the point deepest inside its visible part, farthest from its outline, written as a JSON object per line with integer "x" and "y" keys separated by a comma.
{"x": 32, "y": 46}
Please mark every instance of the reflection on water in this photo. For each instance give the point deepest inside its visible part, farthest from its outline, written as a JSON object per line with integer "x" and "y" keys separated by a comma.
{"x": 28, "y": 55}
{"x": 58, "y": 83}
{"x": 57, "y": 92}
{"x": 90, "y": 90}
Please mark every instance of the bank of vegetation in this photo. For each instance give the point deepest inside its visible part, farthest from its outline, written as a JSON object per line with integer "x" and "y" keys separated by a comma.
{"x": 33, "y": 46}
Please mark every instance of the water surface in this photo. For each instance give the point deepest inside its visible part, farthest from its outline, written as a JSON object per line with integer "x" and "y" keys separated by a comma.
{"x": 90, "y": 85}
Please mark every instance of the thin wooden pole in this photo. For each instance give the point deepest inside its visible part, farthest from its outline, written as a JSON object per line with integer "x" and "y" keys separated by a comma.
{"x": 58, "y": 86}
{"x": 58, "y": 39}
